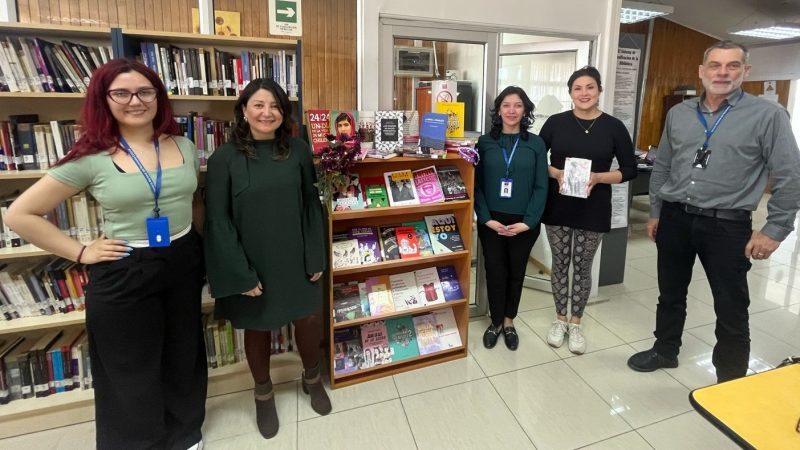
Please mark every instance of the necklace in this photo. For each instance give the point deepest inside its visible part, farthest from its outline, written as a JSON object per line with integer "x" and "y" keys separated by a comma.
{"x": 585, "y": 130}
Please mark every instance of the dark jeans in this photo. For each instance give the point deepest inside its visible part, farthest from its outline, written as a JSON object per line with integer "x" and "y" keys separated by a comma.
{"x": 146, "y": 347}
{"x": 720, "y": 245}
{"x": 505, "y": 260}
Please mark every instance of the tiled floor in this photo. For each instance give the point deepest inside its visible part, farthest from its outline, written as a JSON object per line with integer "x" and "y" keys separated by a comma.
{"x": 536, "y": 397}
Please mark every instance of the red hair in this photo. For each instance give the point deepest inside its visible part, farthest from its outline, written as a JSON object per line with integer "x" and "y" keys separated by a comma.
{"x": 100, "y": 129}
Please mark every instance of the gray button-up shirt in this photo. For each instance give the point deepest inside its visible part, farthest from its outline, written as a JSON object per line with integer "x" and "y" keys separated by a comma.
{"x": 753, "y": 142}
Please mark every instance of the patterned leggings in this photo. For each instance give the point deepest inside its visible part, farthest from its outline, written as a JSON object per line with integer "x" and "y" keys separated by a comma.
{"x": 561, "y": 244}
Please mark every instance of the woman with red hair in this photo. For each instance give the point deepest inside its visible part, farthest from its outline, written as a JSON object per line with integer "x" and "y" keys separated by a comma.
{"x": 146, "y": 270}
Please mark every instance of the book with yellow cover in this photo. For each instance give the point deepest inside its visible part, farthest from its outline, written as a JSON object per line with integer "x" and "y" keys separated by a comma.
{"x": 455, "y": 117}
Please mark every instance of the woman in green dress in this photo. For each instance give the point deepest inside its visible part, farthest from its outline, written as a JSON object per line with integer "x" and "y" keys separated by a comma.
{"x": 264, "y": 241}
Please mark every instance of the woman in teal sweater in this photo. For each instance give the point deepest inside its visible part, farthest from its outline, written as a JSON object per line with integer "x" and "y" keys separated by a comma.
{"x": 510, "y": 194}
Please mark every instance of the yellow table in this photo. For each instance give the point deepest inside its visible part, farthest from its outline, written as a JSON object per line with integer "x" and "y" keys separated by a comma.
{"x": 760, "y": 411}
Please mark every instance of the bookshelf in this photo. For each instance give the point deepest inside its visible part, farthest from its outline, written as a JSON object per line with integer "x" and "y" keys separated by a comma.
{"x": 340, "y": 221}
{"x": 35, "y": 414}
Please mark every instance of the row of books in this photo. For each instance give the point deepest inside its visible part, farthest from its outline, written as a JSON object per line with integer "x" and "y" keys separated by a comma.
{"x": 402, "y": 187}
{"x": 207, "y": 134}
{"x": 383, "y": 342}
{"x": 384, "y": 294}
{"x": 29, "y": 289}
{"x": 204, "y": 71}
{"x": 38, "y": 365}
{"x": 27, "y": 144}
{"x": 435, "y": 235}
{"x": 36, "y": 65}
{"x": 386, "y": 134}
{"x": 225, "y": 344}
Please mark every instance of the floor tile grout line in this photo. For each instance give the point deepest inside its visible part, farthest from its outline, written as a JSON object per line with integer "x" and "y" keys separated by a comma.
{"x": 405, "y": 413}
{"x": 632, "y": 430}
{"x": 516, "y": 419}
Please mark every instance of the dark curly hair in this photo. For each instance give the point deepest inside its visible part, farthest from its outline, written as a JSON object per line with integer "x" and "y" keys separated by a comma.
{"x": 527, "y": 116}
{"x": 585, "y": 71}
{"x": 241, "y": 135}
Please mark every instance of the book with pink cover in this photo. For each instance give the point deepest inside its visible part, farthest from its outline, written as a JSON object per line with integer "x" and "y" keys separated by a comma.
{"x": 429, "y": 189}
{"x": 427, "y": 335}
{"x": 375, "y": 344}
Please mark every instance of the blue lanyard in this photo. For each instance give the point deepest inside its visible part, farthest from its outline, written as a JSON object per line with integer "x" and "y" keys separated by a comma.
{"x": 710, "y": 132}
{"x": 155, "y": 187}
{"x": 509, "y": 158}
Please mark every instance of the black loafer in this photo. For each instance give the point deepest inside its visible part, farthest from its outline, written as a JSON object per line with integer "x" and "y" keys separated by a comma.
{"x": 490, "y": 336}
{"x": 650, "y": 360}
{"x": 511, "y": 337}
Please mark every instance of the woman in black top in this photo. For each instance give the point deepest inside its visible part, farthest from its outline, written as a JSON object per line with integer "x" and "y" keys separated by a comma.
{"x": 510, "y": 192}
{"x": 575, "y": 225}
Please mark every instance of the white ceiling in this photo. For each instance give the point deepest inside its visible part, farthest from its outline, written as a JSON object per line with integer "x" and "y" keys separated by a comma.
{"x": 715, "y": 17}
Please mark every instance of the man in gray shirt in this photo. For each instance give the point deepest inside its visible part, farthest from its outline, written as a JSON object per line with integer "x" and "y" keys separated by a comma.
{"x": 712, "y": 166}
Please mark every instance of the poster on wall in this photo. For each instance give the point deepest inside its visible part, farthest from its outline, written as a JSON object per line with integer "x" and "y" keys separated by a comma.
{"x": 285, "y": 18}
{"x": 625, "y": 87}
{"x": 619, "y": 201}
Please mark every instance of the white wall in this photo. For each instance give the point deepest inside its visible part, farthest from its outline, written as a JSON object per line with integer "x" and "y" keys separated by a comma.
{"x": 775, "y": 62}
{"x": 578, "y": 17}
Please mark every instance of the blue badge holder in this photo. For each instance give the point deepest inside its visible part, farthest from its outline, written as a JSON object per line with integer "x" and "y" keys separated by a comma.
{"x": 158, "y": 231}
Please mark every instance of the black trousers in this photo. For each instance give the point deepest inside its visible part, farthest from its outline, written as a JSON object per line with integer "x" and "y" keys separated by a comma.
{"x": 146, "y": 347}
{"x": 505, "y": 260}
{"x": 720, "y": 245}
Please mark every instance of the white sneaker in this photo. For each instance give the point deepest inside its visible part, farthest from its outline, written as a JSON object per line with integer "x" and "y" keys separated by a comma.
{"x": 198, "y": 446}
{"x": 555, "y": 337}
{"x": 577, "y": 343}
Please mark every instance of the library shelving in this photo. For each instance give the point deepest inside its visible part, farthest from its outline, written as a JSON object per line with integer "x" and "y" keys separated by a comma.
{"x": 35, "y": 414}
{"x": 341, "y": 221}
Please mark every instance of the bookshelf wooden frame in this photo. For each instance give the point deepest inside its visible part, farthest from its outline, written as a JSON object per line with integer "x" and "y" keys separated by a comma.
{"x": 67, "y": 408}
{"x": 339, "y": 221}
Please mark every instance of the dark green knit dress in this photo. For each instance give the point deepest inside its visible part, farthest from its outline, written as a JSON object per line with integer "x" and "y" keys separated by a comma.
{"x": 264, "y": 222}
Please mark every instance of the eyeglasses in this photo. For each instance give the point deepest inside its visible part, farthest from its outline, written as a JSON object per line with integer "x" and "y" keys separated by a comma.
{"x": 124, "y": 97}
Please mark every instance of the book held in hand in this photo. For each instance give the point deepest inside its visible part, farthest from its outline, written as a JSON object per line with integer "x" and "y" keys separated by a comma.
{"x": 576, "y": 177}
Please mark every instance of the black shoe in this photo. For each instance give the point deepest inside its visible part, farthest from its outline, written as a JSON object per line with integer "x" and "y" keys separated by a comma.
{"x": 511, "y": 337}
{"x": 650, "y": 360}
{"x": 490, "y": 336}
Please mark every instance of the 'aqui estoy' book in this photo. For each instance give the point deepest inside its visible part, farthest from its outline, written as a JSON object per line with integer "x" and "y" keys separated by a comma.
{"x": 400, "y": 187}
{"x": 404, "y": 291}
{"x": 455, "y": 117}
{"x": 451, "y": 287}
{"x": 576, "y": 177}
{"x": 349, "y": 196}
{"x": 443, "y": 230}
{"x": 427, "y": 335}
{"x": 407, "y": 242}
{"x": 388, "y": 132}
{"x": 446, "y": 328}
{"x": 319, "y": 122}
{"x": 433, "y": 131}
{"x": 368, "y": 247}
{"x": 429, "y": 287}
{"x": 423, "y": 240}
{"x": 402, "y": 338}
{"x": 379, "y": 295}
{"x": 375, "y": 342}
{"x": 345, "y": 253}
{"x": 427, "y": 183}
{"x": 452, "y": 184}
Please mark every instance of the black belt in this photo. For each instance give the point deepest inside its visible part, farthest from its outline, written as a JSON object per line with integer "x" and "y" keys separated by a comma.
{"x": 724, "y": 214}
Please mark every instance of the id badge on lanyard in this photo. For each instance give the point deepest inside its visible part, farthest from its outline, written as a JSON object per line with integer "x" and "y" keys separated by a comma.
{"x": 157, "y": 226}
{"x": 506, "y": 183}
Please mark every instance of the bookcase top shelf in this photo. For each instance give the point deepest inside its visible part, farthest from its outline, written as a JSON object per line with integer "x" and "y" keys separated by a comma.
{"x": 62, "y": 31}
{"x": 209, "y": 39}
